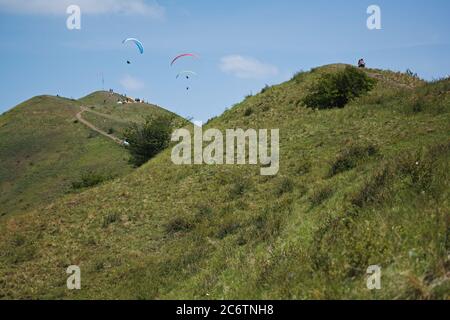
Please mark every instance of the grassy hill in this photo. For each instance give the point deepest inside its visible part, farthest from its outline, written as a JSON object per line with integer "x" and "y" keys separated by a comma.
{"x": 106, "y": 114}
{"x": 364, "y": 185}
{"x": 44, "y": 150}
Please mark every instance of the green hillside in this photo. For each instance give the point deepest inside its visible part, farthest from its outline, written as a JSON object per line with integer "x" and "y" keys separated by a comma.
{"x": 106, "y": 114}
{"x": 106, "y": 104}
{"x": 44, "y": 149}
{"x": 364, "y": 185}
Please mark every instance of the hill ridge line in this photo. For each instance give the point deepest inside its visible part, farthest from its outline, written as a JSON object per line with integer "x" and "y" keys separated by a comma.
{"x": 380, "y": 76}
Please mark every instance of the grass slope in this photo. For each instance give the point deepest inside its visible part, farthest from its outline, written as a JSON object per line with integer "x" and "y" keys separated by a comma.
{"x": 363, "y": 185}
{"x": 107, "y": 115}
{"x": 43, "y": 149}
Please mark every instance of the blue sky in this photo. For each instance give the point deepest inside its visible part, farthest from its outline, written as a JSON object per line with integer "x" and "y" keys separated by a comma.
{"x": 242, "y": 45}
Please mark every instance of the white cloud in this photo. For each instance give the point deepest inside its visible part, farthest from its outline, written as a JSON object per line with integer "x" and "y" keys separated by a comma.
{"x": 246, "y": 67}
{"x": 58, "y": 7}
{"x": 131, "y": 84}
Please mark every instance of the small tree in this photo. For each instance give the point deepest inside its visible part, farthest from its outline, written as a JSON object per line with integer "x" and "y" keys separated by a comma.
{"x": 148, "y": 139}
{"x": 335, "y": 90}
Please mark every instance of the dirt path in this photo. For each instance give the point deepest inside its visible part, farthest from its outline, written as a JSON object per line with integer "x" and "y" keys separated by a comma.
{"x": 92, "y": 127}
{"x": 106, "y": 116}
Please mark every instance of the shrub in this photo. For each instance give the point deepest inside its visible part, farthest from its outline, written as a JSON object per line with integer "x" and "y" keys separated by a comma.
{"x": 423, "y": 169}
{"x": 267, "y": 225}
{"x": 177, "y": 225}
{"x": 20, "y": 254}
{"x": 344, "y": 246}
{"x": 285, "y": 185}
{"x": 303, "y": 168}
{"x": 238, "y": 189}
{"x": 418, "y": 105}
{"x": 248, "y": 112}
{"x": 350, "y": 157}
{"x": 110, "y": 219}
{"x": 204, "y": 211}
{"x": 18, "y": 240}
{"x": 19, "y": 249}
{"x": 90, "y": 179}
{"x": 375, "y": 190}
{"x": 320, "y": 195}
{"x": 227, "y": 228}
{"x": 147, "y": 140}
{"x": 265, "y": 107}
{"x": 266, "y": 87}
{"x": 335, "y": 90}
{"x": 419, "y": 170}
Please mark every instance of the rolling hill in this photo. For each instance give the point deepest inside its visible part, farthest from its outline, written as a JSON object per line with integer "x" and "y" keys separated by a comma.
{"x": 104, "y": 112}
{"x": 45, "y": 150}
{"x": 363, "y": 185}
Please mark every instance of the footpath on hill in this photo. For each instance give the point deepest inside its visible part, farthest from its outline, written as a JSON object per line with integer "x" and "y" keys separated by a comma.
{"x": 80, "y": 118}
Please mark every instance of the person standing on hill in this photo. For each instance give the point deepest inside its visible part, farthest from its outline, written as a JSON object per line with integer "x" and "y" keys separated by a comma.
{"x": 361, "y": 63}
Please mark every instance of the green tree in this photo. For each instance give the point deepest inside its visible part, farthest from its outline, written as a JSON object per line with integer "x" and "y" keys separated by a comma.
{"x": 148, "y": 139}
{"x": 335, "y": 90}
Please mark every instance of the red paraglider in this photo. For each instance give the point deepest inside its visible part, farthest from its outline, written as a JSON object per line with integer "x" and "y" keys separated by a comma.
{"x": 183, "y": 55}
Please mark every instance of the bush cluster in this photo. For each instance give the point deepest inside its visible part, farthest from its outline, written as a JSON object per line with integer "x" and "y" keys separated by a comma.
{"x": 146, "y": 140}
{"x": 335, "y": 90}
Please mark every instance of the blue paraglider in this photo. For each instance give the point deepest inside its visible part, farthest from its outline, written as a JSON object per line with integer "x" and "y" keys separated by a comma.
{"x": 138, "y": 44}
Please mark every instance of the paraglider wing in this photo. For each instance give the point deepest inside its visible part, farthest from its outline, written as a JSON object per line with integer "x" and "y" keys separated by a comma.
{"x": 138, "y": 44}
{"x": 183, "y": 55}
{"x": 187, "y": 73}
